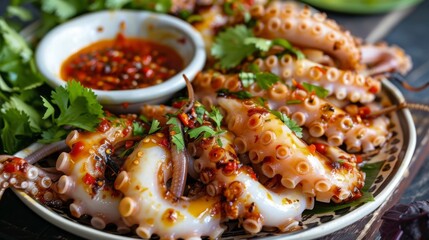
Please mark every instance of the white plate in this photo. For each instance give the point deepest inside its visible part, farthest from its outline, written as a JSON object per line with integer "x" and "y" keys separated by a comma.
{"x": 397, "y": 154}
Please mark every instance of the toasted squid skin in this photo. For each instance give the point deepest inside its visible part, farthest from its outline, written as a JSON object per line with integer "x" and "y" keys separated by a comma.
{"x": 148, "y": 203}
{"x": 300, "y": 164}
{"x": 245, "y": 197}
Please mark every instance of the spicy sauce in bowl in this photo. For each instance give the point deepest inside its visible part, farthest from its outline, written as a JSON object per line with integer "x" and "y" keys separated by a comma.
{"x": 122, "y": 63}
{"x": 144, "y": 64}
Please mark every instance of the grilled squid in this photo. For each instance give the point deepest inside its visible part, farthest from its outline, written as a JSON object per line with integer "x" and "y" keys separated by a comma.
{"x": 148, "y": 203}
{"x": 318, "y": 115}
{"x": 245, "y": 197}
{"x": 342, "y": 84}
{"x": 269, "y": 143}
{"x": 18, "y": 173}
{"x": 85, "y": 166}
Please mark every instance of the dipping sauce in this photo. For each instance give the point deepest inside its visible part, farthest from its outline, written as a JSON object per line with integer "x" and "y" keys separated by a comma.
{"x": 122, "y": 63}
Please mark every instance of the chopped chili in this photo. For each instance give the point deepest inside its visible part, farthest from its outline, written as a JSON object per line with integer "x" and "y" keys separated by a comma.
{"x": 122, "y": 63}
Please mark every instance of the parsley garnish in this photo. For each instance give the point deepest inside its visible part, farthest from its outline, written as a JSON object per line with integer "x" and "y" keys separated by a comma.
{"x": 206, "y": 130}
{"x": 291, "y": 124}
{"x": 200, "y": 111}
{"x": 78, "y": 107}
{"x": 138, "y": 129}
{"x": 176, "y": 133}
{"x": 264, "y": 79}
{"x": 154, "y": 126}
{"x": 236, "y": 43}
{"x": 230, "y": 48}
{"x": 216, "y": 116}
{"x": 319, "y": 91}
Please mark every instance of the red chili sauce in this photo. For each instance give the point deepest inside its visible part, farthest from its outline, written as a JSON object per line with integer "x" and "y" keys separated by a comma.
{"x": 122, "y": 63}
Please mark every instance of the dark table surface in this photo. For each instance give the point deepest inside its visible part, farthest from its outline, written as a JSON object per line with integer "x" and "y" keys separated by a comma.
{"x": 407, "y": 28}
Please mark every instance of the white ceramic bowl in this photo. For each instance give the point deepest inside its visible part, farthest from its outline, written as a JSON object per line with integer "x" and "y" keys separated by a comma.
{"x": 70, "y": 37}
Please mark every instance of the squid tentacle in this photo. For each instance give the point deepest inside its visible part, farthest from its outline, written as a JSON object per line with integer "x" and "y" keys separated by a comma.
{"x": 246, "y": 198}
{"x": 84, "y": 168}
{"x": 18, "y": 173}
{"x": 288, "y": 156}
{"x": 318, "y": 115}
{"x": 304, "y": 28}
{"x": 342, "y": 84}
{"x": 149, "y": 204}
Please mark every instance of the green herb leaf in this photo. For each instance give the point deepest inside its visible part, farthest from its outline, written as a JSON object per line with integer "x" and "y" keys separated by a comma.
{"x": 138, "y": 129}
{"x": 206, "y": 130}
{"x": 50, "y": 110}
{"x": 177, "y": 137}
{"x": 229, "y": 46}
{"x": 288, "y": 47}
{"x": 216, "y": 116}
{"x": 200, "y": 111}
{"x": 319, "y": 91}
{"x": 16, "y": 130}
{"x": 291, "y": 124}
{"x": 144, "y": 119}
{"x": 19, "y": 12}
{"x": 260, "y": 43}
{"x": 247, "y": 78}
{"x": 266, "y": 80}
{"x": 154, "y": 126}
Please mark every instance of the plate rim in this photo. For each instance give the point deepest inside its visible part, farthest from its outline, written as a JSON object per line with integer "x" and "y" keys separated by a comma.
{"x": 318, "y": 231}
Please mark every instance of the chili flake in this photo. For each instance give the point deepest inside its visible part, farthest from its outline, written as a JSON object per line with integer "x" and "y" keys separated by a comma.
{"x": 122, "y": 63}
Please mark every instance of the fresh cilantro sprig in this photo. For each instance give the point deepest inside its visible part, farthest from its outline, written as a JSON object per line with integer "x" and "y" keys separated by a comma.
{"x": 230, "y": 47}
{"x": 78, "y": 107}
{"x": 206, "y": 132}
{"x": 236, "y": 43}
{"x": 319, "y": 91}
{"x": 176, "y": 133}
{"x": 291, "y": 124}
{"x": 216, "y": 116}
{"x": 264, "y": 79}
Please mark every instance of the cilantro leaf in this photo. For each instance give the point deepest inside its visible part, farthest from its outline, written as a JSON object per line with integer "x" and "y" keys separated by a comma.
{"x": 50, "y": 110}
{"x": 34, "y": 117}
{"x": 63, "y": 9}
{"x": 247, "y": 78}
{"x": 288, "y": 47}
{"x": 216, "y": 116}
{"x": 291, "y": 124}
{"x": 154, "y": 126}
{"x": 200, "y": 111}
{"x": 78, "y": 107}
{"x": 206, "y": 130}
{"x": 16, "y": 131}
{"x": 259, "y": 43}
{"x": 176, "y": 133}
{"x": 319, "y": 91}
{"x": 138, "y": 129}
{"x": 229, "y": 46}
{"x": 264, "y": 79}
